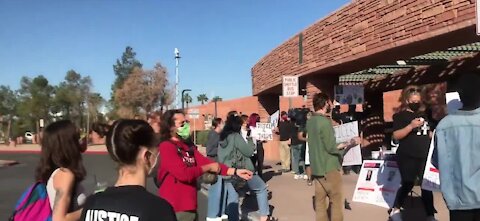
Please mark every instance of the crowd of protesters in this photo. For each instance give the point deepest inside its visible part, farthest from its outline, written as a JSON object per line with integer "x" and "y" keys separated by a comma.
{"x": 162, "y": 147}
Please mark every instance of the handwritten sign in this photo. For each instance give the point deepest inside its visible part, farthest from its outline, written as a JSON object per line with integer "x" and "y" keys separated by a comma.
{"x": 378, "y": 183}
{"x": 431, "y": 175}
{"x": 264, "y": 131}
{"x": 345, "y": 133}
{"x": 274, "y": 118}
{"x": 290, "y": 86}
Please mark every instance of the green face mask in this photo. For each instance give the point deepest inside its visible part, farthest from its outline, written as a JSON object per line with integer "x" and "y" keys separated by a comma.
{"x": 184, "y": 131}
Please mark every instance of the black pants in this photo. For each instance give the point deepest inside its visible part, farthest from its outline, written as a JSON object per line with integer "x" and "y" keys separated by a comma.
{"x": 258, "y": 158}
{"x": 465, "y": 215}
{"x": 410, "y": 170}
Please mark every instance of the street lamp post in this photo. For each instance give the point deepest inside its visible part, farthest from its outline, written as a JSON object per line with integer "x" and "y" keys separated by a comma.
{"x": 177, "y": 61}
{"x": 183, "y": 98}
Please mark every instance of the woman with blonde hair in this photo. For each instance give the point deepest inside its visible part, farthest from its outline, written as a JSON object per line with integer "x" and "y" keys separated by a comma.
{"x": 412, "y": 130}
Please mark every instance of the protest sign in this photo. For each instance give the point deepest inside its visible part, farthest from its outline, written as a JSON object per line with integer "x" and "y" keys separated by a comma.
{"x": 378, "y": 183}
{"x": 274, "y": 118}
{"x": 431, "y": 175}
{"x": 264, "y": 131}
{"x": 349, "y": 94}
{"x": 345, "y": 133}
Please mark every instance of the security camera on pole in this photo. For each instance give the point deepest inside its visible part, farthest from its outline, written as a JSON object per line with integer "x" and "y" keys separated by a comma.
{"x": 177, "y": 61}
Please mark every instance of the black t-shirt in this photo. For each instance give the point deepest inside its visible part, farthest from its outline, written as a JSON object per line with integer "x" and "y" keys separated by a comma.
{"x": 129, "y": 203}
{"x": 295, "y": 140}
{"x": 285, "y": 129}
{"x": 417, "y": 142}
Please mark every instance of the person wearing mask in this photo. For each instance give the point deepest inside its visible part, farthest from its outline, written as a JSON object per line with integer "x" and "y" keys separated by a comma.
{"x": 215, "y": 211}
{"x": 131, "y": 144}
{"x": 325, "y": 157}
{"x": 412, "y": 130}
{"x": 98, "y": 133}
{"x": 61, "y": 169}
{"x": 259, "y": 155}
{"x": 236, "y": 151}
{"x": 181, "y": 164}
{"x": 285, "y": 128}
{"x": 456, "y": 152}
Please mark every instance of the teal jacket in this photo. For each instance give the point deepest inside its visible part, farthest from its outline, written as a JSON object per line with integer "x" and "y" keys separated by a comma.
{"x": 235, "y": 152}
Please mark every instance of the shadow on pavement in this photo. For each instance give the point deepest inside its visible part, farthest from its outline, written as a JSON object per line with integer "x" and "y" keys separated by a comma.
{"x": 267, "y": 176}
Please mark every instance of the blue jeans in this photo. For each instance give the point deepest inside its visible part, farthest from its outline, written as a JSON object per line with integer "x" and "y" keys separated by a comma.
{"x": 258, "y": 186}
{"x": 223, "y": 199}
{"x": 297, "y": 158}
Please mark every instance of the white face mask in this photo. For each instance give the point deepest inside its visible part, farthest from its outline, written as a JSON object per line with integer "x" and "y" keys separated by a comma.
{"x": 154, "y": 163}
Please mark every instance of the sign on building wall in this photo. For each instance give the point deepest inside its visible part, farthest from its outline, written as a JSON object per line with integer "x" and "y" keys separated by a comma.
{"x": 290, "y": 86}
{"x": 349, "y": 94}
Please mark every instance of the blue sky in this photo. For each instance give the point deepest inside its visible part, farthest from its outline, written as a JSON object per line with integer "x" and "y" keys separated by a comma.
{"x": 219, "y": 40}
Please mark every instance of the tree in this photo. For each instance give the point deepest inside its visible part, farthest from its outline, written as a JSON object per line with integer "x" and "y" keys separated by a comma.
{"x": 123, "y": 68}
{"x": 8, "y": 103}
{"x": 71, "y": 96}
{"x": 187, "y": 99}
{"x": 95, "y": 102}
{"x": 216, "y": 99}
{"x": 35, "y": 97}
{"x": 142, "y": 91}
{"x": 202, "y": 98}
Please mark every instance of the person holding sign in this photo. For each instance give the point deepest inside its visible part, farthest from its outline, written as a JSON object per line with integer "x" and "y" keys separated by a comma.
{"x": 412, "y": 129}
{"x": 457, "y": 149}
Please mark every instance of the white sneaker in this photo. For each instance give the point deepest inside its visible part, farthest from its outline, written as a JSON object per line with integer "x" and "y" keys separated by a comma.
{"x": 224, "y": 217}
{"x": 305, "y": 177}
{"x": 395, "y": 215}
{"x": 214, "y": 219}
{"x": 431, "y": 218}
{"x": 297, "y": 177}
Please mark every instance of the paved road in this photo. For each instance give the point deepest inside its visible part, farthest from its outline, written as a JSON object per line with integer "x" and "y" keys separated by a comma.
{"x": 291, "y": 199}
{"x": 15, "y": 179}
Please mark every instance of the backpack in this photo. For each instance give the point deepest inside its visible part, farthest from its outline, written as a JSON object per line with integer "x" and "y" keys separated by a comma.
{"x": 33, "y": 205}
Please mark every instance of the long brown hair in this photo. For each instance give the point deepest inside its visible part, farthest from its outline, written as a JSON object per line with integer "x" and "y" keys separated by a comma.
{"x": 60, "y": 148}
{"x": 409, "y": 91}
{"x": 166, "y": 124}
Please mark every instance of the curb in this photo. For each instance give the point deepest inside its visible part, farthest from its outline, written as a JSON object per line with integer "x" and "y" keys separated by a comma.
{"x": 6, "y": 163}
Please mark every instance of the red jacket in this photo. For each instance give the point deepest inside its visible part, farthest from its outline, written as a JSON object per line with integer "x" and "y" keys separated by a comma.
{"x": 179, "y": 186}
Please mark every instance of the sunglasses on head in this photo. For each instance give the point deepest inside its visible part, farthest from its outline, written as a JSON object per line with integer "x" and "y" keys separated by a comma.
{"x": 413, "y": 90}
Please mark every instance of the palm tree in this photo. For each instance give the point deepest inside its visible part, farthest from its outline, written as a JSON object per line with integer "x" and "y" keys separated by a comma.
{"x": 215, "y": 100}
{"x": 202, "y": 98}
{"x": 187, "y": 98}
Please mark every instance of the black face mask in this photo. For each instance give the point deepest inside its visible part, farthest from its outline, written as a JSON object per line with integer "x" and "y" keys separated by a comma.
{"x": 414, "y": 106}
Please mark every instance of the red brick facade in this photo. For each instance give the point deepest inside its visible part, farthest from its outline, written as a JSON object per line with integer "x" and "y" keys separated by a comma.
{"x": 367, "y": 33}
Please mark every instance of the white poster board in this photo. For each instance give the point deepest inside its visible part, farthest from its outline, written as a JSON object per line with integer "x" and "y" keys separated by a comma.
{"x": 378, "y": 183}
{"x": 453, "y": 102}
{"x": 349, "y": 94}
{"x": 264, "y": 131}
{"x": 345, "y": 133}
{"x": 194, "y": 113}
{"x": 290, "y": 86}
{"x": 274, "y": 118}
{"x": 431, "y": 175}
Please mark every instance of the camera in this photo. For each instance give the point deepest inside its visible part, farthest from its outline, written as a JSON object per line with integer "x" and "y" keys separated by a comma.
{"x": 299, "y": 116}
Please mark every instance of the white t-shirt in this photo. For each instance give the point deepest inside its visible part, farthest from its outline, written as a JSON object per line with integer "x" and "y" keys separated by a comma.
{"x": 79, "y": 196}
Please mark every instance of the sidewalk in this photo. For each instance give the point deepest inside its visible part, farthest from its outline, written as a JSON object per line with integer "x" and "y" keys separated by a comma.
{"x": 35, "y": 148}
{"x": 292, "y": 200}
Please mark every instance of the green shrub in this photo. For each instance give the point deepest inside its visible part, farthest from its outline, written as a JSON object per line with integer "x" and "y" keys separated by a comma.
{"x": 202, "y": 136}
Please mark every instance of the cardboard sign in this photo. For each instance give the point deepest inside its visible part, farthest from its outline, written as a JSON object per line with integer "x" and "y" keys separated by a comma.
{"x": 345, "y": 133}
{"x": 453, "y": 102}
{"x": 378, "y": 183}
{"x": 290, "y": 86}
{"x": 349, "y": 94}
{"x": 264, "y": 131}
